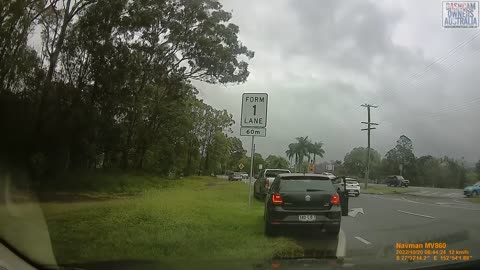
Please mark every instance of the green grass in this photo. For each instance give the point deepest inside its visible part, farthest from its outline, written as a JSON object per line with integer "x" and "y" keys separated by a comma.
{"x": 108, "y": 182}
{"x": 476, "y": 200}
{"x": 385, "y": 190}
{"x": 202, "y": 218}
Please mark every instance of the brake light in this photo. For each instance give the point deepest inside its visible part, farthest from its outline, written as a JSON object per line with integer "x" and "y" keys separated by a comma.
{"x": 335, "y": 199}
{"x": 277, "y": 199}
{"x": 266, "y": 182}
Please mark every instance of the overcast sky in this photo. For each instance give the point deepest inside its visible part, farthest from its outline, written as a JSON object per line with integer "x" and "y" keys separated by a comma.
{"x": 320, "y": 60}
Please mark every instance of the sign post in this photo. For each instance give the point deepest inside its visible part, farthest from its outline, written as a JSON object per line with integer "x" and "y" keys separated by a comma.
{"x": 251, "y": 175}
{"x": 253, "y": 123}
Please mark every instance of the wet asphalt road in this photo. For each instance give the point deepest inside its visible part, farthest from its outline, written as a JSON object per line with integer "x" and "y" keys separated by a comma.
{"x": 421, "y": 215}
{"x": 429, "y": 191}
{"x": 388, "y": 219}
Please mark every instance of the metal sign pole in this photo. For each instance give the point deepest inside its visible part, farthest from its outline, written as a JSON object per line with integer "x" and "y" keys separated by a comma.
{"x": 251, "y": 175}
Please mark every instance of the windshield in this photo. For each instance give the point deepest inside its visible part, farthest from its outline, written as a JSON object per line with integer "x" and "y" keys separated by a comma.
{"x": 136, "y": 131}
{"x": 274, "y": 173}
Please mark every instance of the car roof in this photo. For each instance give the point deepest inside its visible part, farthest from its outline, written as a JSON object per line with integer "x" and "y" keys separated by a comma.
{"x": 304, "y": 174}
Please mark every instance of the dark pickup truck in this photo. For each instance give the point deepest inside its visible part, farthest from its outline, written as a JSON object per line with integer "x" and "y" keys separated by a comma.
{"x": 397, "y": 181}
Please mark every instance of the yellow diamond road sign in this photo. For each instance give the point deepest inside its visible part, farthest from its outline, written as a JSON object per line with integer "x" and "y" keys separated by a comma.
{"x": 240, "y": 166}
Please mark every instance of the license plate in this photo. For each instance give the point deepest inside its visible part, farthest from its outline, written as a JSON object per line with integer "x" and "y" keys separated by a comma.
{"x": 307, "y": 217}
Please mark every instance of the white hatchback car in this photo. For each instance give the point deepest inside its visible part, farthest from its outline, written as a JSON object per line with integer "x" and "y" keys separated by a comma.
{"x": 353, "y": 187}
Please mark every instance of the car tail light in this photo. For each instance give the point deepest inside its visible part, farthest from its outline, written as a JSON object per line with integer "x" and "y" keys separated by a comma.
{"x": 276, "y": 265}
{"x": 277, "y": 199}
{"x": 335, "y": 199}
{"x": 266, "y": 183}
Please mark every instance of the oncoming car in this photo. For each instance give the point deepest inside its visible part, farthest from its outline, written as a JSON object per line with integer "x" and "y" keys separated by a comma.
{"x": 352, "y": 186}
{"x": 302, "y": 200}
{"x": 236, "y": 176}
{"x": 472, "y": 191}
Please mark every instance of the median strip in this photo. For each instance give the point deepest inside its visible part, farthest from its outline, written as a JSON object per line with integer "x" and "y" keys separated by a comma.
{"x": 414, "y": 214}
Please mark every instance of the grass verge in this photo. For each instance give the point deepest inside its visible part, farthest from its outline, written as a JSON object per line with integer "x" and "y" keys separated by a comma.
{"x": 99, "y": 182}
{"x": 476, "y": 200}
{"x": 201, "y": 218}
{"x": 385, "y": 190}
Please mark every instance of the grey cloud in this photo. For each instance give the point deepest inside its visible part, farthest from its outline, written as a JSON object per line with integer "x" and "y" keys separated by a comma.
{"x": 319, "y": 60}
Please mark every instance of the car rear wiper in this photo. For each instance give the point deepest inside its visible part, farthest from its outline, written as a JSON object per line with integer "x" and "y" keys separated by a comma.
{"x": 310, "y": 189}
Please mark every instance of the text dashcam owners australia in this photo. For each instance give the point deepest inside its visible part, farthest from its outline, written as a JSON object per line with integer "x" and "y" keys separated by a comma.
{"x": 460, "y": 14}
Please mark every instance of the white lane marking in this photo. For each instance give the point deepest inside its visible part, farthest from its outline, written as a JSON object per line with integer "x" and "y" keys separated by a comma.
{"x": 362, "y": 240}
{"x": 405, "y": 199}
{"x": 459, "y": 202}
{"x": 448, "y": 206}
{"x": 414, "y": 214}
{"x": 342, "y": 245}
{"x": 467, "y": 206}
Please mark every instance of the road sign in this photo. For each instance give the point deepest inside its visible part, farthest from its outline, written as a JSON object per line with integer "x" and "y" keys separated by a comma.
{"x": 240, "y": 166}
{"x": 254, "y": 116}
{"x": 253, "y": 131}
{"x": 254, "y": 110}
{"x": 260, "y": 166}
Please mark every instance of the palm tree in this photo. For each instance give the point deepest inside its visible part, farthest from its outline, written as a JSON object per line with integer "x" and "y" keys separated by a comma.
{"x": 301, "y": 148}
{"x": 291, "y": 153}
{"x": 310, "y": 150}
{"x": 317, "y": 150}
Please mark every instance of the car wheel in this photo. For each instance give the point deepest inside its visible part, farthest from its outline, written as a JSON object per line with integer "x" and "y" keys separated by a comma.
{"x": 357, "y": 194}
{"x": 474, "y": 193}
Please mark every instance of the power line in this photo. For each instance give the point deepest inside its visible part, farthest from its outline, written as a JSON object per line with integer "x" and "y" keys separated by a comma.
{"x": 438, "y": 60}
{"x": 452, "y": 66}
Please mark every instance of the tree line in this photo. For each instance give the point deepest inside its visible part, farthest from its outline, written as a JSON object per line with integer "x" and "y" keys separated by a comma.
{"x": 400, "y": 160}
{"x": 421, "y": 171}
{"x": 110, "y": 85}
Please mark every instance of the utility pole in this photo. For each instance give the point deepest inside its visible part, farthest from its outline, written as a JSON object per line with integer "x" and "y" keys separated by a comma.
{"x": 369, "y": 127}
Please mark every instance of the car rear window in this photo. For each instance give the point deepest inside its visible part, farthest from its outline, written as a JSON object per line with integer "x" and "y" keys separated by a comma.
{"x": 352, "y": 182}
{"x": 274, "y": 173}
{"x": 306, "y": 183}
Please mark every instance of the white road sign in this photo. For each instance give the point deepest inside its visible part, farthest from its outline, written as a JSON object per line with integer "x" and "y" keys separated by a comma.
{"x": 254, "y": 110}
{"x": 252, "y": 131}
